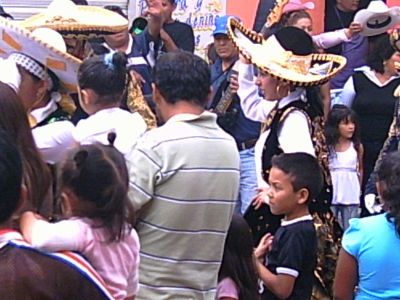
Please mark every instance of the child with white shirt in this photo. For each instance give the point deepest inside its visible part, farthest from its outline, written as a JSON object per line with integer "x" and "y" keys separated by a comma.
{"x": 102, "y": 82}
{"x": 94, "y": 186}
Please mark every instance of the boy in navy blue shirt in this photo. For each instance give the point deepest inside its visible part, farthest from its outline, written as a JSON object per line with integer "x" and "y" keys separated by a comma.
{"x": 295, "y": 179}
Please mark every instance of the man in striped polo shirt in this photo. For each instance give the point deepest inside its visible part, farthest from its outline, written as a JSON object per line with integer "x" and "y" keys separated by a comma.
{"x": 184, "y": 180}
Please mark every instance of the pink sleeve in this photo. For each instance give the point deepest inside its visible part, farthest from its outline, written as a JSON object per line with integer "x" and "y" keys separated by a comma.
{"x": 227, "y": 288}
{"x": 133, "y": 279}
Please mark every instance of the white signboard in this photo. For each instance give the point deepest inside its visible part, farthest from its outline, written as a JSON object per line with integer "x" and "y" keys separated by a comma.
{"x": 200, "y": 14}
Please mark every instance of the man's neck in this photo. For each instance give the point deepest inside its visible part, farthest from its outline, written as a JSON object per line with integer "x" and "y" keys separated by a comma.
{"x": 182, "y": 107}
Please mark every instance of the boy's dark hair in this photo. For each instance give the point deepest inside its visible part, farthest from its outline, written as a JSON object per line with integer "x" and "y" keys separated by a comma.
{"x": 106, "y": 75}
{"x": 304, "y": 170}
{"x": 182, "y": 76}
{"x": 10, "y": 177}
{"x": 389, "y": 174}
{"x": 97, "y": 174}
{"x": 380, "y": 50}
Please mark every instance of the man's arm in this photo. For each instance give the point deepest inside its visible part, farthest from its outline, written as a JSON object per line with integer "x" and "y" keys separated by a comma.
{"x": 144, "y": 168}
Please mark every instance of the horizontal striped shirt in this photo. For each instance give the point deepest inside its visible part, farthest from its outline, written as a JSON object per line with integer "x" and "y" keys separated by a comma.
{"x": 184, "y": 178}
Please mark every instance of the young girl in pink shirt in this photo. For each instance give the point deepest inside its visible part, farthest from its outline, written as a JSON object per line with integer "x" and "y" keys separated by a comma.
{"x": 94, "y": 185}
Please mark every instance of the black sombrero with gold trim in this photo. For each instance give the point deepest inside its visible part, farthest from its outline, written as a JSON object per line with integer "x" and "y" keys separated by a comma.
{"x": 77, "y": 21}
{"x": 270, "y": 57}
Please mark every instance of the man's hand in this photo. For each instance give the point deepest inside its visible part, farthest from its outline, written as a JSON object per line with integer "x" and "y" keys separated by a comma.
{"x": 234, "y": 83}
{"x": 137, "y": 78}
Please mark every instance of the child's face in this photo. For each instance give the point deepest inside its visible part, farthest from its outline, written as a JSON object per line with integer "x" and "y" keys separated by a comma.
{"x": 304, "y": 24}
{"x": 346, "y": 129}
{"x": 283, "y": 200}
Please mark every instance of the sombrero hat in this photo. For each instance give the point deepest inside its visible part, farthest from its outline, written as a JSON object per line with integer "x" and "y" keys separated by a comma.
{"x": 270, "y": 57}
{"x": 77, "y": 21}
{"x": 377, "y": 18}
{"x": 48, "y": 49}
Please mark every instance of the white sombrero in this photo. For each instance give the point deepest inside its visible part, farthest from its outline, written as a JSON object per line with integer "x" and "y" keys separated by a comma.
{"x": 45, "y": 46}
{"x": 270, "y": 57}
{"x": 377, "y": 18}
{"x": 77, "y": 21}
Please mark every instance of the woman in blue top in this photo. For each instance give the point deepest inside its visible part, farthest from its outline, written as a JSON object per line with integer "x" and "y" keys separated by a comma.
{"x": 369, "y": 258}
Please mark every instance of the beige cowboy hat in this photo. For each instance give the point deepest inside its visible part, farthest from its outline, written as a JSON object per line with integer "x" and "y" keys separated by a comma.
{"x": 45, "y": 46}
{"x": 77, "y": 21}
{"x": 270, "y": 57}
{"x": 377, "y": 18}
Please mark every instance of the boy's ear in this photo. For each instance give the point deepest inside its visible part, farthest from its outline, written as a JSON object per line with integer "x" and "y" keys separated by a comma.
{"x": 302, "y": 196}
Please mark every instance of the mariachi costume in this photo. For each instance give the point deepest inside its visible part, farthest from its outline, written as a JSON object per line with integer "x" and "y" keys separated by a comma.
{"x": 79, "y": 23}
{"x": 293, "y": 124}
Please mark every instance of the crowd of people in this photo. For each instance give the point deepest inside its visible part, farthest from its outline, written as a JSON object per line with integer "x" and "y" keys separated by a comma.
{"x": 131, "y": 168}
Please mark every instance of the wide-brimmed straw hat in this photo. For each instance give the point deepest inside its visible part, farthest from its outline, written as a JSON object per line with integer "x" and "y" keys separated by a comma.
{"x": 77, "y": 21}
{"x": 377, "y": 18}
{"x": 270, "y": 57}
{"x": 45, "y": 46}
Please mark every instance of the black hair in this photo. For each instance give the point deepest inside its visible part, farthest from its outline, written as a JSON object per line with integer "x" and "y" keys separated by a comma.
{"x": 182, "y": 76}
{"x": 389, "y": 174}
{"x": 98, "y": 176}
{"x": 380, "y": 50}
{"x": 238, "y": 259}
{"x": 80, "y": 2}
{"x": 304, "y": 170}
{"x": 339, "y": 113}
{"x": 10, "y": 177}
{"x": 117, "y": 9}
{"x": 106, "y": 75}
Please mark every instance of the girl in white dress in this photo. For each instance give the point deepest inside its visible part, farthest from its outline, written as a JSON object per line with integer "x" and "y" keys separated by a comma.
{"x": 102, "y": 81}
{"x": 345, "y": 162}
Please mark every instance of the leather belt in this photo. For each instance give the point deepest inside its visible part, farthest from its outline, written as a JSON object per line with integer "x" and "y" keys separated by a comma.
{"x": 246, "y": 144}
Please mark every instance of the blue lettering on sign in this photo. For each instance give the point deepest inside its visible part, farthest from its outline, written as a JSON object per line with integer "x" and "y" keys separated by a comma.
{"x": 201, "y": 21}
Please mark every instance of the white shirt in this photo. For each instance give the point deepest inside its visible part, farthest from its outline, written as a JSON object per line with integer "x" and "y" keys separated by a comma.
{"x": 294, "y": 134}
{"x": 53, "y": 140}
{"x": 127, "y": 126}
{"x": 348, "y": 94}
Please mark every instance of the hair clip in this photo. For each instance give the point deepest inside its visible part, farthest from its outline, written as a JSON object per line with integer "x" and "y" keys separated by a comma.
{"x": 80, "y": 158}
{"x": 108, "y": 60}
{"x": 111, "y": 136}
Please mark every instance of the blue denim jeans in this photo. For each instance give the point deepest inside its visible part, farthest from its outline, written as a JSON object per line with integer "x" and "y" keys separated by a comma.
{"x": 248, "y": 180}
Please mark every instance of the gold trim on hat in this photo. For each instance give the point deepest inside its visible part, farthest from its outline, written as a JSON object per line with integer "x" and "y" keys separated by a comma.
{"x": 272, "y": 59}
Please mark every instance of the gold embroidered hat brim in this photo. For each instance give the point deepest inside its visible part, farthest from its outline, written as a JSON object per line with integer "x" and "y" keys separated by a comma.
{"x": 87, "y": 22}
{"x": 14, "y": 38}
{"x": 271, "y": 58}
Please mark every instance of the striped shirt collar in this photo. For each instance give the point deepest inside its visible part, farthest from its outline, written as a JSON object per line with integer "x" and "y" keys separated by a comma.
{"x": 303, "y": 218}
{"x": 191, "y": 117}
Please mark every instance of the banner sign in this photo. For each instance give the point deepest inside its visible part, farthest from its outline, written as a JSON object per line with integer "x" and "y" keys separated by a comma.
{"x": 200, "y": 14}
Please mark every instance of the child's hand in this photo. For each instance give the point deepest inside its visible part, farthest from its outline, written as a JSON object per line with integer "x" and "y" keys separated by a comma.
{"x": 234, "y": 83}
{"x": 353, "y": 29}
{"x": 264, "y": 246}
{"x": 260, "y": 198}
